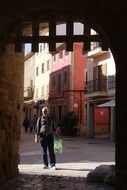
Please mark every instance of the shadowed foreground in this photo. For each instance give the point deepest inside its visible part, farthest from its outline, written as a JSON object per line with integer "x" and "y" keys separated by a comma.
{"x": 79, "y": 157}
{"x": 46, "y": 182}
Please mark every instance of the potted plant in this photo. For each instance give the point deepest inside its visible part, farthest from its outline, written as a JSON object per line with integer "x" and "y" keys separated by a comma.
{"x": 68, "y": 122}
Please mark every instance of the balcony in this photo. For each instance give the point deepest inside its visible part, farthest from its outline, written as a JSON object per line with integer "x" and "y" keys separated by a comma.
{"x": 111, "y": 82}
{"x": 28, "y": 93}
{"x": 96, "y": 85}
{"x": 100, "y": 87}
{"x": 95, "y": 50}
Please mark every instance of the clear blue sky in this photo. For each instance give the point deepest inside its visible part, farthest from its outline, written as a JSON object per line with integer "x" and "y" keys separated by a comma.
{"x": 27, "y": 48}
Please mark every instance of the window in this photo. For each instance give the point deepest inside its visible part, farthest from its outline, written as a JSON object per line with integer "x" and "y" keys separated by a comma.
{"x": 40, "y": 50}
{"x": 31, "y": 83}
{"x": 59, "y": 83}
{"x": 85, "y": 75}
{"x": 65, "y": 76}
{"x": 54, "y": 58}
{"x": 59, "y": 113}
{"x": 54, "y": 109}
{"x": 37, "y": 72}
{"x": 47, "y": 89}
{"x": 43, "y": 90}
{"x": 61, "y": 54}
{"x": 66, "y": 53}
{"x": 54, "y": 81}
{"x": 54, "y": 112}
{"x": 42, "y": 68}
{"x": 44, "y": 46}
{"x": 100, "y": 77}
{"x": 36, "y": 94}
{"x": 65, "y": 109}
{"x": 94, "y": 45}
{"x": 48, "y": 66}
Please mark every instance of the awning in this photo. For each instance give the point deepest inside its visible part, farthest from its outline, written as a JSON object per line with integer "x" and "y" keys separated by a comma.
{"x": 28, "y": 101}
{"x": 107, "y": 104}
{"x": 40, "y": 103}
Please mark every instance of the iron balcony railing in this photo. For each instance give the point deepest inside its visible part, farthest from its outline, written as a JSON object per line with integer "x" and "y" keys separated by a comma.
{"x": 111, "y": 82}
{"x": 102, "y": 84}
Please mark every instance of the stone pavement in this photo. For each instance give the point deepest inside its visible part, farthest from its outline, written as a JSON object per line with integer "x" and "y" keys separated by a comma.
{"x": 79, "y": 157}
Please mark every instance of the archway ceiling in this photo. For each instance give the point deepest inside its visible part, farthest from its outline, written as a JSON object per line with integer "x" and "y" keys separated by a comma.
{"x": 109, "y": 15}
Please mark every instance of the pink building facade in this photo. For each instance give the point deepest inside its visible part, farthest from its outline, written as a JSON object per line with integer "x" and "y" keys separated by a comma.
{"x": 67, "y": 84}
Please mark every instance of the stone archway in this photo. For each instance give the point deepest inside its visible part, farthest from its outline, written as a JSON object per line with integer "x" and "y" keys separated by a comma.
{"x": 113, "y": 26}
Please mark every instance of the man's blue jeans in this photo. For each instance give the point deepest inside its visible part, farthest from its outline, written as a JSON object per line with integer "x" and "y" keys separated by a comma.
{"x": 47, "y": 144}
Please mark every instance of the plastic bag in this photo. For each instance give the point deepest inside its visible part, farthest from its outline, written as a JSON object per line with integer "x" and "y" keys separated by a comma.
{"x": 58, "y": 145}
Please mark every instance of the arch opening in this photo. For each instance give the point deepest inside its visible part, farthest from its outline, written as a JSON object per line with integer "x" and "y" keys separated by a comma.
{"x": 51, "y": 39}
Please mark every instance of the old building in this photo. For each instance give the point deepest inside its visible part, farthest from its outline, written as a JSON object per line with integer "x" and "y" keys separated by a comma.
{"x": 66, "y": 86}
{"x": 29, "y": 85}
{"x": 42, "y": 72}
{"x": 100, "y": 92}
{"x": 37, "y": 69}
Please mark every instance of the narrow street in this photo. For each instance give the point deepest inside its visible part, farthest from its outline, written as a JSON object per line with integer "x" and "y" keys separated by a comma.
{"x": 79, "y": 157}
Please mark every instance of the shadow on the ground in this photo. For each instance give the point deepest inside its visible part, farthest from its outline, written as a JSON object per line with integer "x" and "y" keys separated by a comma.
{"x": 74, "y": 169}
{"x": 47, "y": 182}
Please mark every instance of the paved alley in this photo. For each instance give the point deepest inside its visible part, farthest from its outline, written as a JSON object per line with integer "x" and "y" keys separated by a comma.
{"x": 79, "y": 157}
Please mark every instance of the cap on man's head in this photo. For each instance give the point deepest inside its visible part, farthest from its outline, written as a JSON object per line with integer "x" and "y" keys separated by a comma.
{"x": 45, "y": 109}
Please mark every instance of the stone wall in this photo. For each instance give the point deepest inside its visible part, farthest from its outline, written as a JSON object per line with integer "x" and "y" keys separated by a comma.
{"x": 11, "y": 111}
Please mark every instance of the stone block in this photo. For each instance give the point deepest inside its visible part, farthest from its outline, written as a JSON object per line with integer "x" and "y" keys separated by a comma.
{"x": 103, "y": 173}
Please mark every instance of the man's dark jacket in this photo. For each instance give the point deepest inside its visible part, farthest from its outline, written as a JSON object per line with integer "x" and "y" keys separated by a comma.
{"x": 45, "y": 125}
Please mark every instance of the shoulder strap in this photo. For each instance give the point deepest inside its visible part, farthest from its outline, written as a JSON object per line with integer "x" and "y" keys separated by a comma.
{"x": 39, "y": 124}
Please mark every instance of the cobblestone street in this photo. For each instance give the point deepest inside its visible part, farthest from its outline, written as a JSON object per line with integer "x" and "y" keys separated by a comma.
{"x": 79, "y": 157}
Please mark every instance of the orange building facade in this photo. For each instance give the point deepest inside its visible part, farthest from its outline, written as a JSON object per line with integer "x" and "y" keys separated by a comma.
{"x": 67, "y": 84}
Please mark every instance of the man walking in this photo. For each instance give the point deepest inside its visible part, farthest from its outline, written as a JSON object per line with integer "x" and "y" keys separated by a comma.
{"x": 44, "y": 131}
{"x": 26, "y": 124}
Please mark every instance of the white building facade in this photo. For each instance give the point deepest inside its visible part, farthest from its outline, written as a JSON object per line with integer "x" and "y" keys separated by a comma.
{"x": 100, "y": 89}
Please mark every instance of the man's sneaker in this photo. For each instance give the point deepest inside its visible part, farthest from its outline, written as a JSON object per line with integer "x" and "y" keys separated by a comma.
{"x": 45, "y": 167}
{"x": 53, "y": 167}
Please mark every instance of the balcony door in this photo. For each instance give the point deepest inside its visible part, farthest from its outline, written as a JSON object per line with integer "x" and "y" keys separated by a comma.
{"x": 100, "y": 77}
